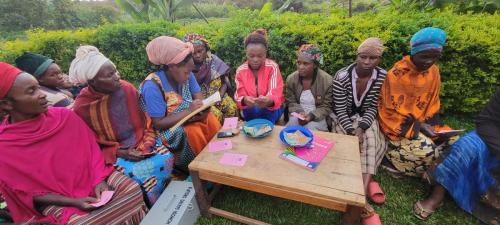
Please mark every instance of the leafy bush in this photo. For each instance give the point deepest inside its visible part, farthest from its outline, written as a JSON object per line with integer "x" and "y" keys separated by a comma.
{"x": 469, "y": 67}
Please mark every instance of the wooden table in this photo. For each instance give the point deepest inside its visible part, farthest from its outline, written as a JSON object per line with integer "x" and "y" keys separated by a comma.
{"x": 336, "y": 184}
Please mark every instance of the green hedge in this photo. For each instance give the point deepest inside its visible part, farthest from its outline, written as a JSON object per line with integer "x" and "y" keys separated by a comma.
{"x": 469, "y": 67}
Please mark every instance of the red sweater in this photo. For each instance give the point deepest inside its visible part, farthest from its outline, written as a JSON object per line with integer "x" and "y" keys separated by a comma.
{"x": 269, "y": 82}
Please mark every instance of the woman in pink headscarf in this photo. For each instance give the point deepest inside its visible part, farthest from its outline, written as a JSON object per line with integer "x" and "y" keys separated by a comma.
{"x": 51, "y": 169}
{"x": 170, "y": 94}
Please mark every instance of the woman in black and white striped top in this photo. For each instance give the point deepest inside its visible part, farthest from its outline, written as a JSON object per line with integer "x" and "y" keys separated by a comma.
{"x": 362, "y": 100}
{"x": 356, "y": 91}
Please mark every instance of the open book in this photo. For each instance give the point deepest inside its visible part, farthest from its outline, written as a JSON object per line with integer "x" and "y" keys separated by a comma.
{"x": 309, "y": 157}
{"x": 207, "y": 102}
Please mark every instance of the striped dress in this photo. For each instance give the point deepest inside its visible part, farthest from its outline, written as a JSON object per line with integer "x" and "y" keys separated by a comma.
{"x": 127, "y": 206}
{"x": 349, "y": 114}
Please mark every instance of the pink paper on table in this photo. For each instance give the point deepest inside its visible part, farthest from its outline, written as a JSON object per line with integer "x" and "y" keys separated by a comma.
{"x": 298, "y": 116}
{"x": 233, "y": 159}
{"x": 216, "y": 146}
{"x": 230, "y": 123}
{"x": 105, "y": 197}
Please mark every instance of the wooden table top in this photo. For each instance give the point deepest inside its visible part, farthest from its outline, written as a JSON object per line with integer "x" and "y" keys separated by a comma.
{"x": 336, "y": 183}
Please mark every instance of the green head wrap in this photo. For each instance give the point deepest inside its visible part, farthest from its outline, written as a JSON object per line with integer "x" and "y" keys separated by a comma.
{"x": 34, "y": 64}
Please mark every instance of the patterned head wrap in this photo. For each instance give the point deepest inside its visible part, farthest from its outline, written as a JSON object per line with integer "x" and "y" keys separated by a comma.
{"x": 372, "y": 46}
{"x": 196, "y": 39}
{"x": 8, "y": 74}
{"x": 165, "y": 50}
{"x": 86, "y": 65}
{"x": 34, "y": 64}
{"x": 312, "y": 52}
{"x": 427, "y": 38}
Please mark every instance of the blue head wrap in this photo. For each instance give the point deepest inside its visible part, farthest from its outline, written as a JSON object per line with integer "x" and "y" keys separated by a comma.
{"x": 427, "y": 38}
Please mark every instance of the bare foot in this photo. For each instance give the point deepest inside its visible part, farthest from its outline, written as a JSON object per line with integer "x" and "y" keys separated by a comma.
{"x": 431, "y": 204}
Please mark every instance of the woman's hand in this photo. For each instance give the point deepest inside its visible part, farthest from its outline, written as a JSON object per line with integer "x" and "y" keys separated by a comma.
{"x": 360, "y": 134}
{"x": 130, "y": 154}
{"x": 306, "y": 120}
{"x": 249, "y": 101}
{"x": 427, "y": 130}
{"x": 197, "y": 103}
{"x": 84, "y": 203}
{"x": 264, "y": 102}
{"x": 101, "y": 187}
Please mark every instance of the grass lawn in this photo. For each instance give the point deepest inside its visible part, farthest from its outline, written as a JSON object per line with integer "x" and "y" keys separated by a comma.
{"x": 401, "y": 194}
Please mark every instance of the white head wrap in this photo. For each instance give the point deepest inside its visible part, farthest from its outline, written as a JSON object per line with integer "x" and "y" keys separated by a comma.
{"x": 86, "y": 65}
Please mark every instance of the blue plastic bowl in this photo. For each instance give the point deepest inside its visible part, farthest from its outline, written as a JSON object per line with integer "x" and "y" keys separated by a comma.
{"x": 258, "y": 123}
{"x": 292, "y": 129}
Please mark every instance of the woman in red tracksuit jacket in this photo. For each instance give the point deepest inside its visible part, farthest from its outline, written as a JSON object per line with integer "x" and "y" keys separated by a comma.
{"x": 259, "y": 85}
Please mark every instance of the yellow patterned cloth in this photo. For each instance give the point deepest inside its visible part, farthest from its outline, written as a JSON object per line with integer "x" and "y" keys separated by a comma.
{"x": 413, "y": 157}
{"x": 210, "y": 77}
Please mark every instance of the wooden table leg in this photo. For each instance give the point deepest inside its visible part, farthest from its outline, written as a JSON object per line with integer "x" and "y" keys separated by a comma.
{"x": 352, "y": 216}
{"x": 214, "y": 192}
{"x": 201, "y": 194}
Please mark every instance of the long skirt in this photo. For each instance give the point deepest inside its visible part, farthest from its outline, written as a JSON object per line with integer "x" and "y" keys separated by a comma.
{"x": 466, "y": 171}
{"x": 151, "y": 173}
{"x": 373, "y": 147}
{"x": 201, "y": 132}
{"x": 126, "y": 207}
{"x": 413, "y": 157}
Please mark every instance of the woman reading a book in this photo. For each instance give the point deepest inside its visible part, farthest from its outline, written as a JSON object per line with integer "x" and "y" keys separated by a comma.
{"x": 259, "y": 85}
{"x": 111, "y": 108}
{"x": 356, "y": 89}
{"x": 172, "y": 93}
{"x": 467, "y": 172}
{"x": 52, "y": 167}
{"x": 409, "y": 104}
{"x": 212, "y": 75}
{"x": 308, "y": 90}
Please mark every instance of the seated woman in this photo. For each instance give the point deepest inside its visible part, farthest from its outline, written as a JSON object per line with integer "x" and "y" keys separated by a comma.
{"x": 356, "y": 90}
{"x": 308, "y": 90}
{"x": 111, "y": 108}
{"x": 52, "y": 167}
{"x": 50, "y": 77}
{"x": 259, "y": 85}
{"x": 409, "y": 106}
{"x": 212, "y": 75}
{"x": 466, "y": 171}
{"x": 172, "y": 93}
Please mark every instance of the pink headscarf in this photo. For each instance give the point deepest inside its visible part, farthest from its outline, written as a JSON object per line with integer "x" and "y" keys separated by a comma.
{"x": 165, "y": 50}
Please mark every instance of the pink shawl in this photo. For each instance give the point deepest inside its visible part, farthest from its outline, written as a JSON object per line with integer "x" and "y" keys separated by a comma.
{"x": 55, "y": 153}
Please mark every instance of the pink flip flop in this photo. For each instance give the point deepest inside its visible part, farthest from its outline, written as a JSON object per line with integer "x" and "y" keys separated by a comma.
{"x": 371, "y": 220}
{"x": 375, "y": 193}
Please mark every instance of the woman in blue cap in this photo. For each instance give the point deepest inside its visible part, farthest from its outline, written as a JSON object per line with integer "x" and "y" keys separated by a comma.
{"x": 409, "y": 106}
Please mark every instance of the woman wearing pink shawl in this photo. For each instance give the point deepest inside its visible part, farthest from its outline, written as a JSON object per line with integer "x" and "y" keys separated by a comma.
{"x": 52, "y": 169}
